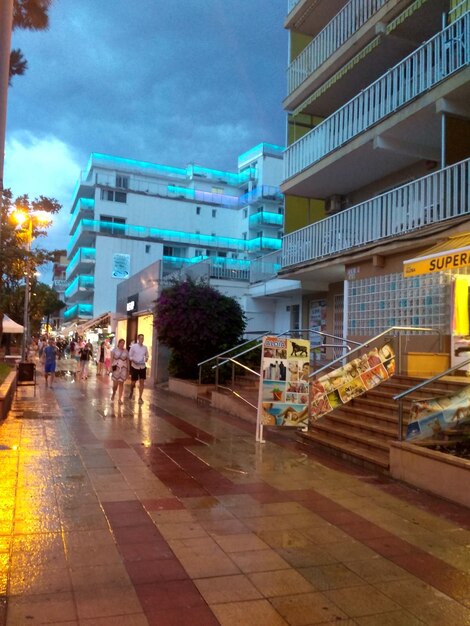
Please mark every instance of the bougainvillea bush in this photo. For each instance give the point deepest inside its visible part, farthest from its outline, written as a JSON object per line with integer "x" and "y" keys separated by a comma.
{"x": 196, "y": 322}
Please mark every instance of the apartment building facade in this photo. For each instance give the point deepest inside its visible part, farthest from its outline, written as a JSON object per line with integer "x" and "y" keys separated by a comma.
{"x": 377, "y": 170}
{"x": 128, "y": 214}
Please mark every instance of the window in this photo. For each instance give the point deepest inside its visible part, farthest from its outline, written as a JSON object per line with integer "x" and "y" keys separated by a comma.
{"x": 244, "y": 236}
{"x": 198, "y": 210}
{"x": 259, "y": 233}
{"x": 222, "y": 254}
{"x": 245, "y": 213}
{"x": 234, "y": 255}
{"x": 219, "y": 190}
{"x": 167, "y": 251}
{"x": 214, "y": 212}
{"x": 208, "y": 252}
{"x": 106, "y": 225}
{"x": 122, "y": 182}
{"x": 113, "y": 196}
{"x": 147, "y": 248}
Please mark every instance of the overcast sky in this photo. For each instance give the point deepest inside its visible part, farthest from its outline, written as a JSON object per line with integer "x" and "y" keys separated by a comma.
{"x": 167, "y": 81}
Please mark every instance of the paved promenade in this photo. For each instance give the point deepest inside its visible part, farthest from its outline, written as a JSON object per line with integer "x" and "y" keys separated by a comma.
{"x": 170, "y": 514}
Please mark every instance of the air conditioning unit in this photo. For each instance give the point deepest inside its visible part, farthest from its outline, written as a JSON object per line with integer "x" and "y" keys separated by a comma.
{"x": 335, "y": 204}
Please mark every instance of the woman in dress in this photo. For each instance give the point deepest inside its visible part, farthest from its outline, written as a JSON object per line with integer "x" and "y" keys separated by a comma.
{"x": 119, "y": 368}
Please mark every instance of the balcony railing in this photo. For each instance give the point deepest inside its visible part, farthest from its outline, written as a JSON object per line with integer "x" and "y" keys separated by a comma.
{"x": 266, "y": 267}
{"x": 83, "y": 255}
{"x": 264, "y": 192}
{"x": 80, "y": 284}
{"x": 435, "y": 198}
{"x": 266, "y": 218}
{"x": 446, "y": 53}
{"x": 348, "y": 21}
{"x": 82, "y": 205}
{"x": 79, "y": 311}
{"x": 291, "y": 4}
{"x": 220, "y": 268}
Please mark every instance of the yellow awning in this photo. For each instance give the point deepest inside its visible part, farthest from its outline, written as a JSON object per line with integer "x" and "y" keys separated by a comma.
{"x": 450, "y": 254}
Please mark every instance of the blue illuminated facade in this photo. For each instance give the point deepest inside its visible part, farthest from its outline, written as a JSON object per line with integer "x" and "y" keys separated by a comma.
{"x": 126, "y": 214}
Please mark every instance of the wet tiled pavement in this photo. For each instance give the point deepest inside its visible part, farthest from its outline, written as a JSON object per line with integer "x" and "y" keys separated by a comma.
{"x": 170, "y": 514}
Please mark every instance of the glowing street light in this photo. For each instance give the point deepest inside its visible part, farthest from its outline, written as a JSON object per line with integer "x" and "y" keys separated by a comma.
{"x": 25, "y": 220}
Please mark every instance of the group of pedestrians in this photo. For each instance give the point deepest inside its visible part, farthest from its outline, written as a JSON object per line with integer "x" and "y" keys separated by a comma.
{"x": 133, "y": 361}
{"x": 119, "y": 361}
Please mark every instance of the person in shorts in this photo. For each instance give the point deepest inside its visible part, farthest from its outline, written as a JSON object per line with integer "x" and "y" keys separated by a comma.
{"x": 50, "y": 361}
{"x": 138, "y": 357}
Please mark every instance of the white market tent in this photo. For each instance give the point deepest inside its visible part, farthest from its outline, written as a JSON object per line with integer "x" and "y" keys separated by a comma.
{"x": 9, "y": 326}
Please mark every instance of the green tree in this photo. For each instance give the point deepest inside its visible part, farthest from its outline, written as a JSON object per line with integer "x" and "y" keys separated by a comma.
{"x": 15, "y": 256}
{"x": 31, "y": 15}
{"x": 43, "y": 303}
{"x": 196, "y": 322}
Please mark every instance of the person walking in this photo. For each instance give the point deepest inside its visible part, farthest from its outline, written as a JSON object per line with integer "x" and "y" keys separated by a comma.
{"x": 86, "y": 353}
{"x": 138, "y": 357}
{"x": 119, "y": 368}
{"x": 107, "y": 356}
{"x": 99, "y": 371}
{"x": 50, "y": 361}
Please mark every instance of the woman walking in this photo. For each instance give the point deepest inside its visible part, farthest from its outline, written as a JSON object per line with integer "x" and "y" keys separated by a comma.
{"x": 86, "y": 353}
{"x": 119, "y": 368}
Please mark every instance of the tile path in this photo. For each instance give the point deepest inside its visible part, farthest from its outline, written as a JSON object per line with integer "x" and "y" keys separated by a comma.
{"x": 170, "y": 514}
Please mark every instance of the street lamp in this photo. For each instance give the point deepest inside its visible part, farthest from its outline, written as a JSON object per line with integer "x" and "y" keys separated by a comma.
{"x": 25, "y": 220}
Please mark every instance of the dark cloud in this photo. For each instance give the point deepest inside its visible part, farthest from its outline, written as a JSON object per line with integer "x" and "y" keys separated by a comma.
{"x": 169, "y": 81}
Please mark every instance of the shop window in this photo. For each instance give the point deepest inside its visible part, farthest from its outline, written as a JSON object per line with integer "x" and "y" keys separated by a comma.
{"x": 122, "y": 182}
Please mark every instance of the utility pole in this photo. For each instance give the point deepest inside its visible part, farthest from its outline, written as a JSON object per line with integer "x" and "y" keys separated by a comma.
{"x": 6, "y": 24}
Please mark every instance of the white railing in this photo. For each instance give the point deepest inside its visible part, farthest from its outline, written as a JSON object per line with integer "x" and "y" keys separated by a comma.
{"x": 435, "y": 198}
{"x": 291, "y": 4}
{"x": 446, "y": 53}
{"x": 348, "y": 21}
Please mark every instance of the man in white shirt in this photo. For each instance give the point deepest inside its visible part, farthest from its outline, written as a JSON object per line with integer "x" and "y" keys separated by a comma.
{"x": 138, "y": 357}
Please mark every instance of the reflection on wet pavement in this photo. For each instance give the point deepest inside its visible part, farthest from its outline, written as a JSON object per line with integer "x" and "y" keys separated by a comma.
{"x": 169, "y": 513}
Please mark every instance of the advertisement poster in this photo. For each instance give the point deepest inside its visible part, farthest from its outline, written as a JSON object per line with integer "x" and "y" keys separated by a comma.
{"x": 351, "y": 380}
{"x": 121, "y": 265}
{"x": 285, "y": 365}
{"x": 431, "y": 418}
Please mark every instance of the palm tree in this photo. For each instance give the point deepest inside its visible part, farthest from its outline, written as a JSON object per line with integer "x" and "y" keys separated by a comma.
{"x": 31, "y": 15}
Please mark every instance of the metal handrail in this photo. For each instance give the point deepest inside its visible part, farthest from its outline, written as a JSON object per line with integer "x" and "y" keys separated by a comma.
{"x": 388, "y": 331}
{"x": 399, "y": 397}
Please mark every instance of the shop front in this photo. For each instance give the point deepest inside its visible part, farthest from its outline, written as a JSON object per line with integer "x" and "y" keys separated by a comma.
{"x": 450, "y": 259}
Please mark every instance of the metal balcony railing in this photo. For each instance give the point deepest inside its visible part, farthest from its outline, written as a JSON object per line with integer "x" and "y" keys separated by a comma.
{"x": 83, "y": 255}
{"x": 446, "y": 53}
{"x": 345, "y": 23}
{"x": 291, "y": 4}
{"x": 435, "y": 198}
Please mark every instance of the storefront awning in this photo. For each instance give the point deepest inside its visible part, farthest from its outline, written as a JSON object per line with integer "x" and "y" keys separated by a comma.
{"x": 450, "y": 254}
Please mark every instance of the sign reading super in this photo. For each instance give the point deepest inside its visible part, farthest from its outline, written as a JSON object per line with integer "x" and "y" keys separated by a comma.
{"x": 451, "y": 260}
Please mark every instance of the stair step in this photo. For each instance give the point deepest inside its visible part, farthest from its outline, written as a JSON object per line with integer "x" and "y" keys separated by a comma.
{"x": 350, "y": 451}
{"x": 349, "y": 435}
{"x": 360, "y": 426}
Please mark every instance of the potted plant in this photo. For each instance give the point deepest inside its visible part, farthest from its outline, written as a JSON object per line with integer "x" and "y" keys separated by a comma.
{"x": 277, "y": 394}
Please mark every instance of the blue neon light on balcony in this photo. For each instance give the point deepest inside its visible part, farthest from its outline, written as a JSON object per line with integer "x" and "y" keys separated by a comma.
{"x": 80, "y": 283}
{"x": 144, "y": 232}
{"x": 266, "y": 217}
{"x": 77, "y": 310}
{"x": 143, "y": 165}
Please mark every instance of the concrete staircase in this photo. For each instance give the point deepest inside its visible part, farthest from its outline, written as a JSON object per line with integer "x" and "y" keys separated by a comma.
{"x": 361, "y": 430}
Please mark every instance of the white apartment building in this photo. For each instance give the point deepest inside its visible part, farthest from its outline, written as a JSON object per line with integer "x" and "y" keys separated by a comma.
{"x": 128, "y": 214}
{"x": 377, "y": 168}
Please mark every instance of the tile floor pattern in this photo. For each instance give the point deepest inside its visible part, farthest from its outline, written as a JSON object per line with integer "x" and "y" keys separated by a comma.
{"x": 170, "y": 514}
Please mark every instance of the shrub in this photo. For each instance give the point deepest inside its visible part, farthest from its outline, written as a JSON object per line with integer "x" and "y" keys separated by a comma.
{"x": 196, "y": 322}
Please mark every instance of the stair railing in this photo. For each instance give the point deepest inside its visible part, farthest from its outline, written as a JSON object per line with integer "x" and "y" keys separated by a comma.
{"x": 389, "y": 331}
{"x": 400, "y": 397}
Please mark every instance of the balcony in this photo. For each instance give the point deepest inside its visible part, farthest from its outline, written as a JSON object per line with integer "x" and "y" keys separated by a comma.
{"x": 433, "y": 199}
{"x": 337, "y": 32}
{"x": 266, "y": 218}
{"x": 310, "y": 16}
{"x": 264, "y": 192}
{"x": 87, "y": 231}
{"x": 266, "y": 267}
{"x": 79, "y": 286}
{"x": 441, "y": 58}
{"x": 84, "y": 207}
{"x": 83, "y": 258}
{"x": 78, "y": 311}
